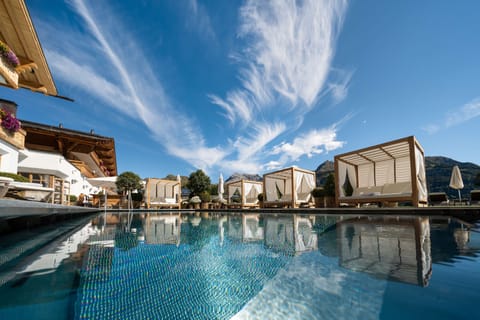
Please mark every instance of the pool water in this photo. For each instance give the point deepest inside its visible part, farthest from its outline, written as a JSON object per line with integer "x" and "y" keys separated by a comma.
{"x": 245, "y": 266}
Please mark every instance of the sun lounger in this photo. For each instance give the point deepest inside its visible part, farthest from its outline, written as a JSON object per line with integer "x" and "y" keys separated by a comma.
{"x": 475, "y": 197}
{"x": 30, "y": 191}
{"x": 438, "y": 198}
{"x": 4, "y": 185}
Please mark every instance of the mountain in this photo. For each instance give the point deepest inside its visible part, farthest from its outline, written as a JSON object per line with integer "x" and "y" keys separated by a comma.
{"x": 323, "y": 171}
{"x": 438, "y": 169}
{"x": 240, "y": 176}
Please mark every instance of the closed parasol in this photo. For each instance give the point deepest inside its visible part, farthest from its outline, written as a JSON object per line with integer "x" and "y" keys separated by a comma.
{"x": 456, "y": 181}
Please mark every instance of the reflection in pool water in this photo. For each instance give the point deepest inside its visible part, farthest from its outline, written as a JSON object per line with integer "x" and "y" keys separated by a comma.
{"x": 246, "y": 266}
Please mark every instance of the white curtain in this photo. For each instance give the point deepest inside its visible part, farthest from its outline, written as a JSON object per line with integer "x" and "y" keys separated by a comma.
{"x": 253, "y": 190}
{"x": 247, "y": 187}
{"x": 298, "y": 176}
{"x": 421, "y": 176}
{"x": 258, "y": 187}
{"x": 287, "y": 186}
{"x": 352, "y": 175}
{"x": 280, "y": 184}
{"x": 232, "y": 188}
{"x": 342, "y": 175}
{"x": 304, "y": 183}
{"x": 270, "y": 189}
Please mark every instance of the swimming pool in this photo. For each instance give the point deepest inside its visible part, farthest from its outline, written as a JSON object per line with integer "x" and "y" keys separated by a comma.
{"x": 246, "y": 266}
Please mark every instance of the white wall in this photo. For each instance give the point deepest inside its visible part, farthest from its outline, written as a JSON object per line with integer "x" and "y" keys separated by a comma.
{"x": 55, "y": 164}
{"x": 9, "y": 157}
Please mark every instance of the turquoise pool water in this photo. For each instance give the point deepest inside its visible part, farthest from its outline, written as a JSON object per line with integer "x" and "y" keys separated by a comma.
{"x": 243, "y": 266}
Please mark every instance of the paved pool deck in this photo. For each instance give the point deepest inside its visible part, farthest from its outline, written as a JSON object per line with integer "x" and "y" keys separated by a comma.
{"x": 10, "y": 208}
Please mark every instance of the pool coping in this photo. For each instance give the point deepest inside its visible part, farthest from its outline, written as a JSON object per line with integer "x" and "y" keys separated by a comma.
{"x": 11, "y": 208}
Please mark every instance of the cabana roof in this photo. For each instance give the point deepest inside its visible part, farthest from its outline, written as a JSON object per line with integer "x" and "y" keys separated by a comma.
{"x": 18, "y": 32}
{"x": 382, "y": 152}
{"x": 286, "y": 173}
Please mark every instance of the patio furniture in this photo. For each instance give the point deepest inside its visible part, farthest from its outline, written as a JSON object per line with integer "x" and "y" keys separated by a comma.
{"x": 438, "y": 199}
{"x": 243, "y": 193}
{"x": 289, "y": 187}
{"x": 385, "y": 174}
{"x": 475, "y": 197}
{"x": 161, "y": 193}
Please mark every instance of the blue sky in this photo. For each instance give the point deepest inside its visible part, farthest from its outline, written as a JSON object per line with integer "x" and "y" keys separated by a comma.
{"x": 254, "y": 86}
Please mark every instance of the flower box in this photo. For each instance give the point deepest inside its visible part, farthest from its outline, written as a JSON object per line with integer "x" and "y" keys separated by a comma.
{"x": 7, "y": 71}
{"x": 16, "y": 139}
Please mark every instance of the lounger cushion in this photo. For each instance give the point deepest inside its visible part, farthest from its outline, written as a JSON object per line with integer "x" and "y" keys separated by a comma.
{"x": 367, "y": 191}
{"x": 158, "y": 200}
{"x": 397, "y": 188}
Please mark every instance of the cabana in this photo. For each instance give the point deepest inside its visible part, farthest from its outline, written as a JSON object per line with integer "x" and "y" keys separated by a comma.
{"x": 289, "y": 187}
{"x": 160, "y": 193}
{"x": 243, "y": 193}
{"x": 387, "y": 173}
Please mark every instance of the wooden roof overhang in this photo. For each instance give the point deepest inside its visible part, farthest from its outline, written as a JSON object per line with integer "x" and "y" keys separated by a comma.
{"x": 18, "y": 32}
{"x": 92, "y": 154}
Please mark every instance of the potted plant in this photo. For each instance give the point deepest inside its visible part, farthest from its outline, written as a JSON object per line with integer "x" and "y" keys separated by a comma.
{"x": 8, "y": 62}
{"x": 260, "y": 199}
{"x": 318, "y": 195}
{"x": 205, "y": 197}
{"x": 195, "y": 201}
{"x": 329, "y": 189}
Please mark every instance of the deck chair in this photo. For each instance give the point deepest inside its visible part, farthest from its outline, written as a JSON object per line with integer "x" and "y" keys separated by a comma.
{"x": 475, "y": 197}
{"x": 438, "y": 199}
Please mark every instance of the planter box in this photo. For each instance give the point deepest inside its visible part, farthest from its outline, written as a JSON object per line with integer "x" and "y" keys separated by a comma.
{"x": 16, "y": 139}
{"x": 8, "y": 73}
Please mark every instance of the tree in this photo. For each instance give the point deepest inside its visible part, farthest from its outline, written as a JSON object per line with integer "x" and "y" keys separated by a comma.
{"x": 213, "y": 190}
{"x": 128, "y": 181}
{"x": 171, "y": 177}
{"x": 183, "y": 179}
{"x": 329, "y": 185}
{"x": 198, "y": 182}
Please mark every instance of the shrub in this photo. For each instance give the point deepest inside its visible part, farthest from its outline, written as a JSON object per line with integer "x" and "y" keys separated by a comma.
{"x": 73, "y": 198}
{"x": 329, "y": 186}
{"x": 137, "y": 196}
{"x": 14, "y": 176}
{"x": 318, "y": 192}
{"x": 260, "y": 197}
{"x": 205, "y": 196}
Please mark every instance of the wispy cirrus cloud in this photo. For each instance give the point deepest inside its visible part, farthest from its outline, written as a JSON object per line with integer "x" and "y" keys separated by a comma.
{"x": 465, "y": 113}
{"x": 199, "y": 20}
{"x": 311, "y": 143}
{"x": 456, "y": 117}
{"x": 284, "y": 68}
{"x": 126, "y": 82}
{"x": 288, "y": 55}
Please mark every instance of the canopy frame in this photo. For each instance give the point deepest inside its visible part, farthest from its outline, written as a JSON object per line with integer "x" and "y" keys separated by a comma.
{"x": 285, "y": 183}
{"x": 245, "y": 188}
{"x": 163, "y": 193}
{"x": 386, "y": 173}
